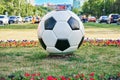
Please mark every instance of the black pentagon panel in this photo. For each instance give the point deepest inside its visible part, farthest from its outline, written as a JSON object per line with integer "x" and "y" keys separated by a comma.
{"x": 50, "y": 23}
{"x": 74, "y": 24}
{"x": 42, "y": 43}
{"x": 62, "y": 44}
{"x": 81, "y": 42}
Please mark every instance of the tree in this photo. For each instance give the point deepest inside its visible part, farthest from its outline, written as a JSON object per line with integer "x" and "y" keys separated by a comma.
{"x": 2, "y": 9}
{"x": 116, "y": 6}
{"x": 101, "y": 7}
{"x": 76, "y": 11}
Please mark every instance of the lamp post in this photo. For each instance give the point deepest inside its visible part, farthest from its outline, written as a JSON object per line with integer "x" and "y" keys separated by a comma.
{"x": 19, "y": 7}
{"x": 104, "y": 8}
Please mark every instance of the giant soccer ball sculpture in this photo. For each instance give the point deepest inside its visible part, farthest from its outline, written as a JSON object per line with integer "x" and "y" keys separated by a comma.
{"x": 60, "y": 32}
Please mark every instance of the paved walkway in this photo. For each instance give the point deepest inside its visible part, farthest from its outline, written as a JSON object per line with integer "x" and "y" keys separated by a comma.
{"x": 31, "y": 34}
{"x": 102, "y": 33}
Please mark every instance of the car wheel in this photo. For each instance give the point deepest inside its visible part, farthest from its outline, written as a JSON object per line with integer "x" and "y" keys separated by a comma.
{"x": 10, "y": 22}
{"x": 108, "y": 22}
{"x": 118, "y": 23}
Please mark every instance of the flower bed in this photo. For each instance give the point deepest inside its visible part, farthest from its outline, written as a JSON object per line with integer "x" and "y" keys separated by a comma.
{"x": 79, "y": 76}
{"x": 102, "y": 42}
{"x": 21, "y": 43}
{"x": 32, "y": 43}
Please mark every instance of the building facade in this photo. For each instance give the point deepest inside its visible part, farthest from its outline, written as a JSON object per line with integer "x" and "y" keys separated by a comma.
{"x": 76, "y": 3}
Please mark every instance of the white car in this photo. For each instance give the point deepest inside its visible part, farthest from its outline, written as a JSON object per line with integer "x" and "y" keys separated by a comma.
{"x": 19, "y": 19}
{"x": 103, "y": 19}
{"x": 3, "y": 19}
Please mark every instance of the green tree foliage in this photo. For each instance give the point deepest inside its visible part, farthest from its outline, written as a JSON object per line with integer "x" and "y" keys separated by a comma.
{"x": 41, "y": 10}
{"x": 101, "y": 7}
{"x": 21, "y": 7}
{"x": 76, "y": 11}
{"x": 116, "y": 6}
{"x": 2, "y": 8}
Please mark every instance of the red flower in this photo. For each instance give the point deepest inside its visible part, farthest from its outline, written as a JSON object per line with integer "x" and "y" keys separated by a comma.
{"x": 92, "y": 79}
{"x": 26, "y": 74}
{"x": 85, "y": 78}
{"x": 37, "y": 74}
{"x": 118, "y": 74}
{"x": 55, "y": 79}
{"x": 68, "y": 79}
{"x": 32, "y": 78}
{"x": 51, "y": 78}
{"x": 42, "y": 79}
{"x": 108, "y": 42}
{"x": 77, "y": 76}
{"x": 82, "y": 75}
{"x": 92, "y": 74}
{"x": 62, "y": 78}
{"x": 33, "y": 74}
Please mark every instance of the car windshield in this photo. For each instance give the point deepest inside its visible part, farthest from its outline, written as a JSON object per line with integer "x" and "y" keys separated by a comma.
{"x": 92, "y": 17}
{"x": 104, "y": 16}
{"x": 1, "y": 16}
{"x": 12, "y": 17}
{"x": 30, "y": 17}
{"x": 115, "y": 16}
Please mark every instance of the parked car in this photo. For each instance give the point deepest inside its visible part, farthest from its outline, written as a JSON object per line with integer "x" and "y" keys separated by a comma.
{"x": 113, "y": 18}
{"x": 13, "y": 19}
{"x": 30, "y": 17}
{"x": 3, "y": 19}
{"x": 91, "y": 19}
{"x": 19, "y": 19}
{"x": 103, "y": 19}
{"x": 83, "y": 18}
{"x": 36, "y": 19}
{"x": 118, "y": 21}
{"x": 26, "y": 19}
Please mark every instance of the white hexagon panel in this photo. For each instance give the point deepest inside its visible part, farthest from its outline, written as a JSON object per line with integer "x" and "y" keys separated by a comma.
{"x": 71, "y": 49}
{"x": 75, "y": 37}
{"x": 40, "y": 29}
{"x": 53, "y": 50}
{"x": 61, "y": 32}
{"x": 58, "y": 15}
{"x": 49, "y": 38}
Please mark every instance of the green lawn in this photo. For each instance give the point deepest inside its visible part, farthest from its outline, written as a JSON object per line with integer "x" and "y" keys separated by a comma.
{"x": 20, "y": 26}
{"x": 34, "y": 26}
{"x": 85, "y": 60}
{"x": 101, "y": 25}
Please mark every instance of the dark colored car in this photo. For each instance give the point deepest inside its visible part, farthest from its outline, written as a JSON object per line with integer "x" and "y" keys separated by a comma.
{"x": 103, "y": 19}
{"x": 13, "y": 19}
{"x": 26, "y": 19}
{"x": 83, "y": 18}
{"x": 113, "y": 18}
